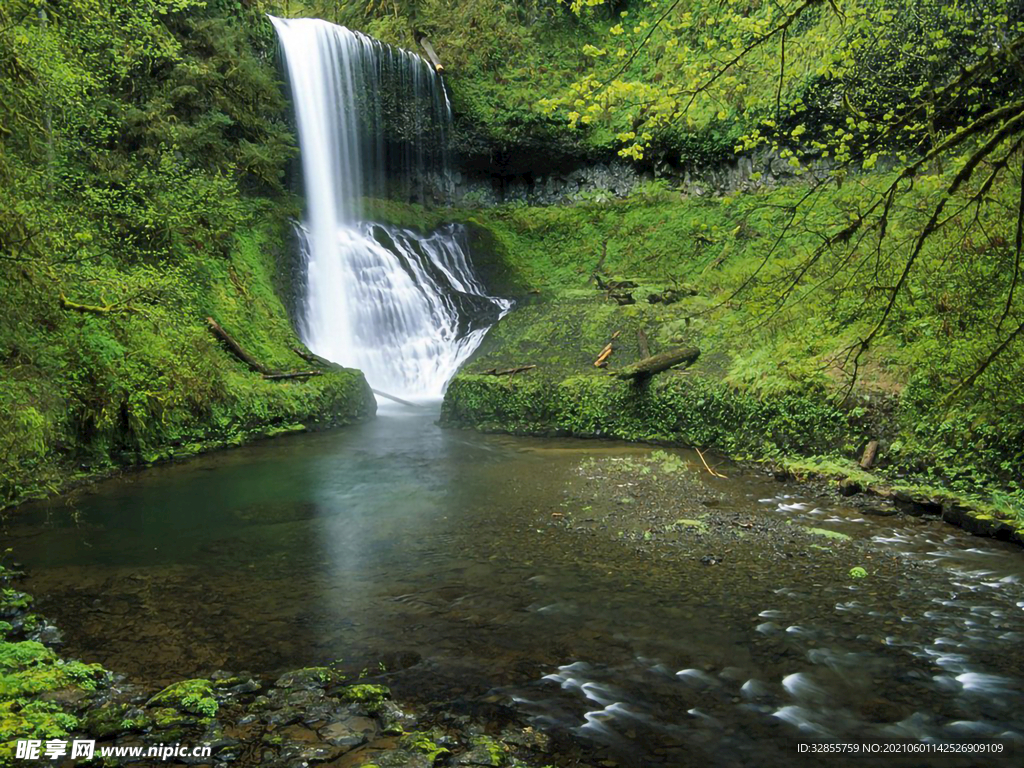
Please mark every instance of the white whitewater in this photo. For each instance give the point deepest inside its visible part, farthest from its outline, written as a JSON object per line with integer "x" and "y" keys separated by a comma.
{"x": 404, "y": 308}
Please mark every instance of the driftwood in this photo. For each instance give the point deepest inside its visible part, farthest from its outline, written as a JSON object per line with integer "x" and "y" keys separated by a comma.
{"x": 602, "y": 359}
{"x": 379, "y": 393}
{"x": 870, "y": 454}
{"x": 236, "y": 349}
{"x": 649, "y": 366}
{"x": 254, "y": 365}
{"x": 508, "y": 371}
{"x": 641, "y": 340}
{"x": 431, "y": 54}
{"x": 294, "y": 375}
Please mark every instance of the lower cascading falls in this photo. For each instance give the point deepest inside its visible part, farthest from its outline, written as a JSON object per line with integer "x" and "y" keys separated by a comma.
{"x": 403, "y": 307}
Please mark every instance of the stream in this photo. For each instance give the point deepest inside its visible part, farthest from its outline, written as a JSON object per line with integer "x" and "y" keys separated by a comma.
{"x": 615, "y": 595}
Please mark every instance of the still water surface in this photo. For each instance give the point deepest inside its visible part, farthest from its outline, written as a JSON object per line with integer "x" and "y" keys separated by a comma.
{"x": 446, "y": 556}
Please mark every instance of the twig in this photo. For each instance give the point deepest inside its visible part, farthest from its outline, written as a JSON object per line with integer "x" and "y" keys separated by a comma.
{"x": 708, "y": 468}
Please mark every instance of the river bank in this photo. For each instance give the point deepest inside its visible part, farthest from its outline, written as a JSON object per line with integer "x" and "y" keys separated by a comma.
{"x": 314, "y": 715}
{"x": 773, "y": 384}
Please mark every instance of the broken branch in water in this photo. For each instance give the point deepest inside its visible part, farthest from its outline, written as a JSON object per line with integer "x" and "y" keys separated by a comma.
{"x": 708, "y": 468}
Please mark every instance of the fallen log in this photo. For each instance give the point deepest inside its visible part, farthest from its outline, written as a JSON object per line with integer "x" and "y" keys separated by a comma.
{"x": 508, "y": 371}
{"x": 431, "y": 54}
{"x": 294, "y": 375}
{"x": 235, "y": 348}
{"x": 254, "y": 365}
{"x": 870, "y": 454}
{"x": 386, "y": 396}
{"x": 602, "y": 359}
{"x": 649, "y": 366}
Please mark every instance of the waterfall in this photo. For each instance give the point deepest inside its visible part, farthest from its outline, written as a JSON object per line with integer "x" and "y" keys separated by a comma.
{"x": 373, "y": 121}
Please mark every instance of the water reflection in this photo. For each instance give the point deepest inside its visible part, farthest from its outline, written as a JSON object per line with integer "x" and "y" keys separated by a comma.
{"x": 438, "y": 553}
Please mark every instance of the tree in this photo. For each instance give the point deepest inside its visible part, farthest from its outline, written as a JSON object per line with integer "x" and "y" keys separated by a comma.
{"x": 929, "y": 95}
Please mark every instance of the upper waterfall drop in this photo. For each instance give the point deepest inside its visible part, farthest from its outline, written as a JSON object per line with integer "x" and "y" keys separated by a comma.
{"x": 373, "y": 120}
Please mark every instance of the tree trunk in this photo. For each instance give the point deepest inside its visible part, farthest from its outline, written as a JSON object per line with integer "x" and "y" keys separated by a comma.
{"x": 295, "y": 375}
{"x": 870, "y": 454}
{"x": 641, "y": 339}
{"x": 236, "y": 348}
{"x": 649, "y": 366}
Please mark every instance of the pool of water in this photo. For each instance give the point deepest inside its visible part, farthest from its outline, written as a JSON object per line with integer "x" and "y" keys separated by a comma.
{"x": 444, "y": 556}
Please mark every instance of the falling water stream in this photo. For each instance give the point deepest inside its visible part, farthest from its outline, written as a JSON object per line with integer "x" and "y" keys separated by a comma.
{"x": 403, "y": 307}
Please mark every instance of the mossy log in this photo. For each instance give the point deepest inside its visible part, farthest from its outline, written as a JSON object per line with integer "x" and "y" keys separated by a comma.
{"x": 236, "y": 348}
{"x": 313, "y": 358}
{"x": 649, "y": 366}
{"x": 292, "y": 375}
{"x": 508, "y": 371}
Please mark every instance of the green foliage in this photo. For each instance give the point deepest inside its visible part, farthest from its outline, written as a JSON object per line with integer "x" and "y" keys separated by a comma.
{"x": 27, "y": 670}
{"x": 771, "y": 378}
{"x": 142, "y": 157}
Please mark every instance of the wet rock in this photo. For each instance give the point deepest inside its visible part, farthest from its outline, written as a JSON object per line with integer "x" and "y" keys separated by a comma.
{"x": 623, "y": 298}
{"x": 392, "y": 719}
{"x": 401, "y": 758}
{"x": 309, "y": 678}
{"x": 849, "y": 487}
{"x": 881, "y": 710}
{"x": 916, "y": 505}
{"x": 350, "y": 731}
{"x": 877, "y": 511}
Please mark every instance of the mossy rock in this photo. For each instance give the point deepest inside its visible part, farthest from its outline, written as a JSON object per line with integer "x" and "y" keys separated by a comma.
{"x": 367, "y": 694}
{"x": 423, "y": 742}
{"x": 484, "y": 751}
{"x": 194, "y": 697}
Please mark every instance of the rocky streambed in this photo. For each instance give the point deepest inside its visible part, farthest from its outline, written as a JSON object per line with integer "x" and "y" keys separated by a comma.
{"x": 560, "y": 602}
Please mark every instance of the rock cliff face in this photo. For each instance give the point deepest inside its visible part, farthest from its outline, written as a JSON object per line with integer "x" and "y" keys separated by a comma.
{"x": 601, "y": 180}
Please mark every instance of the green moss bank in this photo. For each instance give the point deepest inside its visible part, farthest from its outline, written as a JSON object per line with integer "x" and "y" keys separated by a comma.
{"x": 91, "y": 391}
{"x": 769, "y": 384}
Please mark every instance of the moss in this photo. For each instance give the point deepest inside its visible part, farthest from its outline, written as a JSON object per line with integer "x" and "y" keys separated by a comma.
{"x": 103, "y": 722}
{"x": 365, "y": 693}
{"x": 189, "y": 696}
{"x": 310, "y": 677}
{"x": 155, "y": 385}
{"x": 826, "y": 533}
{"x": 27, "y": 671}
{"x": 423, "y": 742}
{"x": 770, "y": 382}
{"x": 497, "y": 753}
